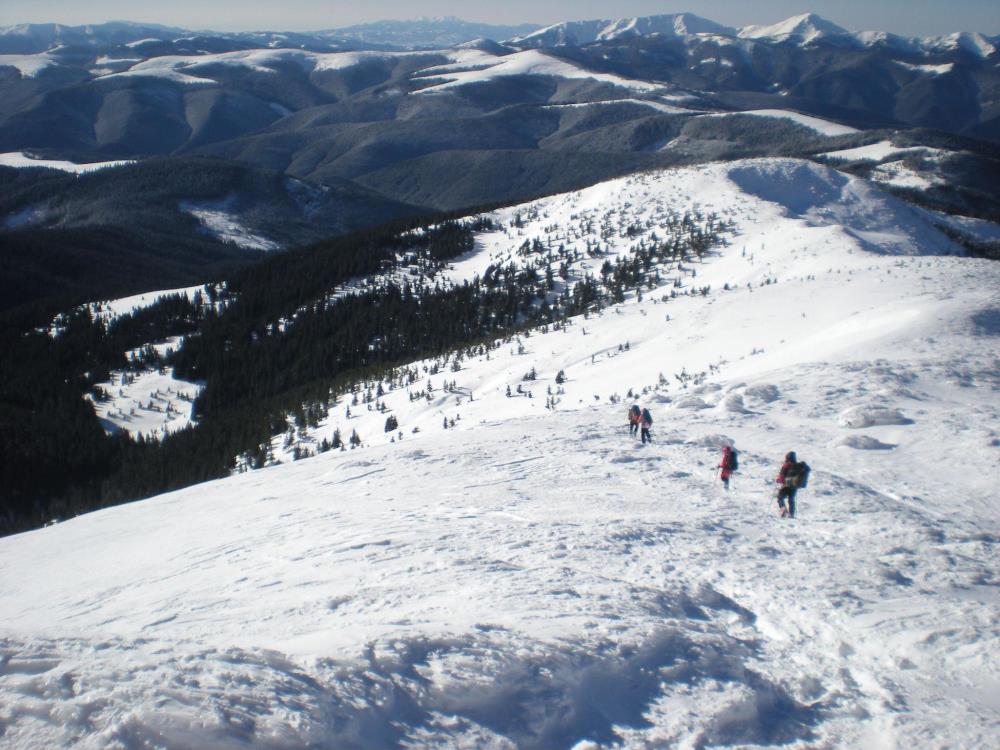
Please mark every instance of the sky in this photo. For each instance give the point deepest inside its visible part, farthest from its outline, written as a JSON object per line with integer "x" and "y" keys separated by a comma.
{"x": 909, "y": 17}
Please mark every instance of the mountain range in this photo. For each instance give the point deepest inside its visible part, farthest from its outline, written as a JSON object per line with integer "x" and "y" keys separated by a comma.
{"x": 373, "y": 113}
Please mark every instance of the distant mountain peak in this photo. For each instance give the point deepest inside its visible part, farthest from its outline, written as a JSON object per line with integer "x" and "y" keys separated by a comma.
{"x": 804, "y": 27}
{"x": 574, "y": 33}
{"x": 445, "y": 31}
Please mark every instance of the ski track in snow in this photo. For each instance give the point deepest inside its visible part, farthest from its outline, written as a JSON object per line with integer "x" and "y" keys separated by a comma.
{"x": 538, "y": 579}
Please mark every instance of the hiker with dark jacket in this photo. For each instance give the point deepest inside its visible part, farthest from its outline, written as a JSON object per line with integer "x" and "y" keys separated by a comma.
{"x": 647, "y": 422}
{"x": 728, "y": 465}
{"x": 634, "y": 417}
{"x": 792, "y": 477}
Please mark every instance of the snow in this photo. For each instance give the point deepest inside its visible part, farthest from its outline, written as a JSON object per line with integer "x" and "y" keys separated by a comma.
{"x": 807, "y": 27}
{"x": 531, "y": 62}
{"x": 976, "y": 229}
{"x": 220, "y": 219}
{"x": 535, "y": 577}
{"x": 281, "y": 109}
{"x": 176, "y": 67}
{"x": 108, "y": 60}
{"x": 668, "y": 109}
{"x": 108, "y": 310}
{"x": 150, "y": 402}
{"x": 971, "y": 42}
{"x": 934, "y": 70}
{"x": 683, "y": 25}
{"x": 179, "y": 67}
{"x": 463, "y": 60}
{"x": 142, "y": 42}
{"x": 878, "y": 152}
{"x": 28, "y": 65}
{"x": 27, "y": 217}
{"x": 898, "y": 174}
{"x": 823, "y": 127}
{"x": 343, "y": 60}
{"x": 21, "y": 160}
{"x": 156, "y": 68}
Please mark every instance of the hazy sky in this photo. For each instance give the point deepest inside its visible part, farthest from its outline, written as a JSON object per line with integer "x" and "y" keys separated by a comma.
{"x": 910, "y": 17}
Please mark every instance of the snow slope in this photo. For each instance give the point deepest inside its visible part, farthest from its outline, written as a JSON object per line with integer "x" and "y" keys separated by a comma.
{"x": 816, "y": 124}
{"x": 534, "y": 577}
{"x": 683, "y": 25}
{"x": 220, "y": 219}
{"x": 21, "y": 160}
{"x": 150, "y": 402}
{"x": 880, "y": 152}
{"x": 805, "y": 29}
{"x": 531, "y": 62}
{"x": 29, "y": 66}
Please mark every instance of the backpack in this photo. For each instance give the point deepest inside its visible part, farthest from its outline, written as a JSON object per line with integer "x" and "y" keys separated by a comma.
{"x": 734, "y": 460}
{"x": 647, "y": 417}
{"x": 797, "y": 476}
{"x": 634, "y": 411}
{"x": 803, "y": 474}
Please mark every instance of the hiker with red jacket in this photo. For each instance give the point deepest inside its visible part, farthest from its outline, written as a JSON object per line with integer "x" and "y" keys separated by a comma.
{"x": 792, "y": 477}
{"x": 728, "y": 465}
{"x": 634, "y": 417}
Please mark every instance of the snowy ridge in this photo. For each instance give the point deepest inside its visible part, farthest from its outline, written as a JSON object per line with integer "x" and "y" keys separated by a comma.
{"x": 804, "y": 29}
{"x": 175, "y": 67}
{"x": 771, "y": 201}
{"x": 536, "y": 578}
{"x": 467, "y": 66}
{"x": 585, "y": 32}
{"x": 21, "y": 160}
{"x": 108, "y": 310}
{"x": 878, "y": 152}
{"x": 816, "y": 124}
{"x": 531, "y": 62}
{"x": 29, "y": 66}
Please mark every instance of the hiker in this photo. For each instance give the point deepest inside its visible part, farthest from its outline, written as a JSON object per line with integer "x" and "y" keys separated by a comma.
{"x": 647, "y": 422}
{"x": 792, "y": 477}
{"x": 729, "y": 464}
{"x": 634, "y": 416}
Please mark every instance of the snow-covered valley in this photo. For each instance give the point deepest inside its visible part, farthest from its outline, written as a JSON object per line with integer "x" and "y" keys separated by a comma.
{"x": 517, "y": 571}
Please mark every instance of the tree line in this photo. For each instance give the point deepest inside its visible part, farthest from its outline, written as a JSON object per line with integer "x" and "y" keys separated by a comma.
{"x": 279, "y": 340}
